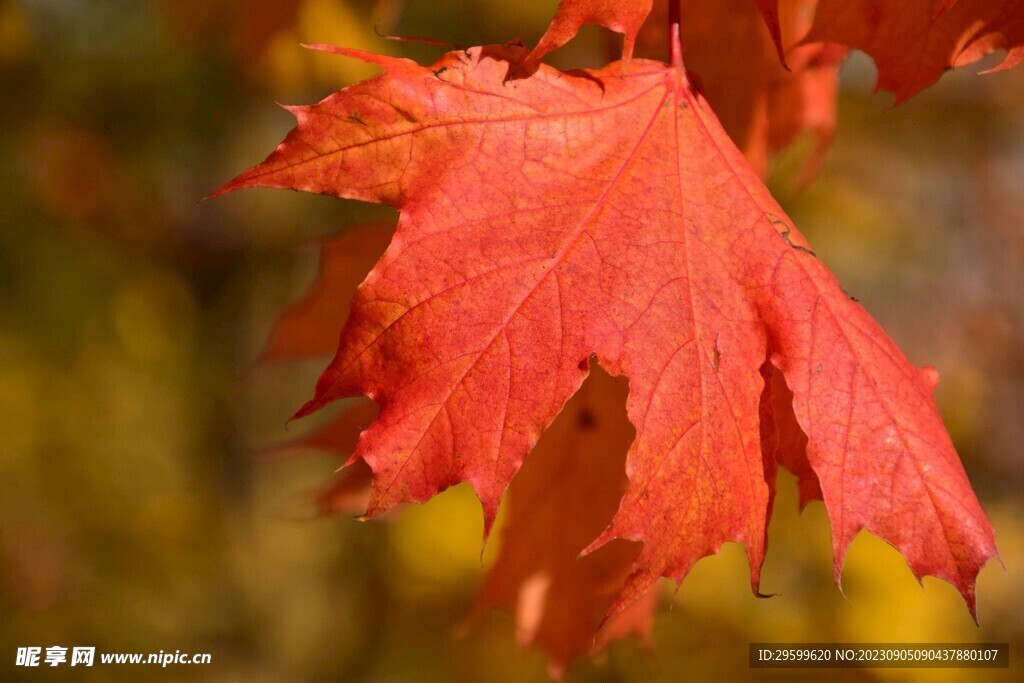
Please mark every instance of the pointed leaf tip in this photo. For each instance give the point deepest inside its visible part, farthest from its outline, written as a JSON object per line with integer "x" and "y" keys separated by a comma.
{"x": 385, "y": 61}
{"x": 770, "y": 12}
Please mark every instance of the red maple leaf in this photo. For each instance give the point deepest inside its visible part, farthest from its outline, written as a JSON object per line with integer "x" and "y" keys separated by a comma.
{"x": 605, "y": 214}
{"x": 914, "y": 41}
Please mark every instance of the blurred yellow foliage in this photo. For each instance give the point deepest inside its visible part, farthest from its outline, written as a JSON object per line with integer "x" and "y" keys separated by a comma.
{"x": 438, "y": 545}
{"x": 290, "y": 67}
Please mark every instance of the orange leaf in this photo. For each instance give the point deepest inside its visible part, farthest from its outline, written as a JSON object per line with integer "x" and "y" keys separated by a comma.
{"x": 621, "y": 16}
{"x": 310, "y": 326}
{"x": 565, "y": 494}
{"x": 606, "y": 213}
{"x": 914, "y": 41}
{"x": 782, "y": 440}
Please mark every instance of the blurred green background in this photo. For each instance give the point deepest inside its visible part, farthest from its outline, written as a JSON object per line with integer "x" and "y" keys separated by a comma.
{"x": 135, "y": 511}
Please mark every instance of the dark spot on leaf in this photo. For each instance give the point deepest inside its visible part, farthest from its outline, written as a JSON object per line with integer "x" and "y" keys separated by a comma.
{"x": 586, "y": 419}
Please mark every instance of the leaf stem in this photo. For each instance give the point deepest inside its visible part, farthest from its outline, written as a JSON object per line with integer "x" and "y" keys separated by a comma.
{"x": 675, "y": 49}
